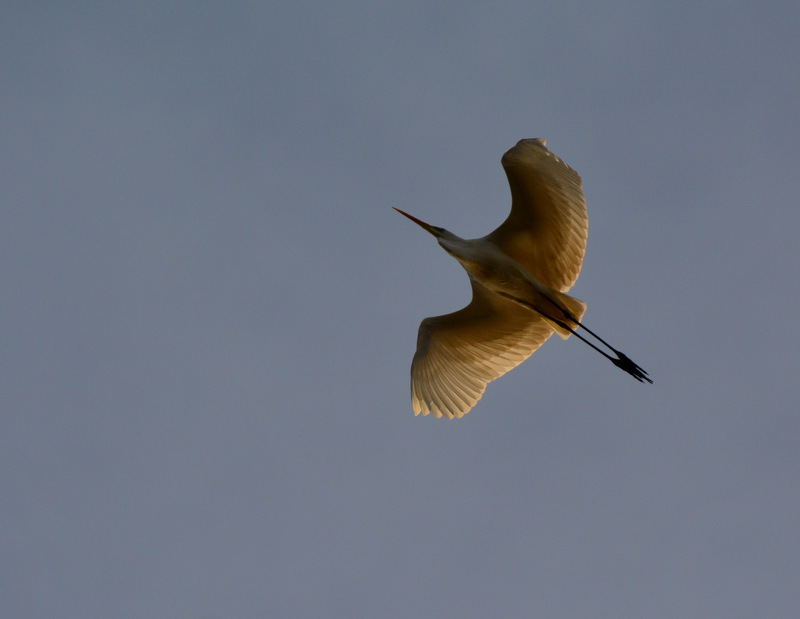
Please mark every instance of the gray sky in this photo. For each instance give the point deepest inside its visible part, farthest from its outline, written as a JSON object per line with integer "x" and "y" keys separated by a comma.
{"x": 208, "y": 311}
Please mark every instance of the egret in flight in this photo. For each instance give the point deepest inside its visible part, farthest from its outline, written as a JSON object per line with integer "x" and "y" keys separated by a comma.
{"x": 519, "y": 273}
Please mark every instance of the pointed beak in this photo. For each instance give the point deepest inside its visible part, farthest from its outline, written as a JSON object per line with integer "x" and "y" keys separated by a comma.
{"x": 419, "y": 222}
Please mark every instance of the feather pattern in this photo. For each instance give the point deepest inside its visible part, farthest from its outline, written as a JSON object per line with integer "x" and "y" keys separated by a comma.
{"x": 458, "y": 354}
{"x": 547, "y": 228}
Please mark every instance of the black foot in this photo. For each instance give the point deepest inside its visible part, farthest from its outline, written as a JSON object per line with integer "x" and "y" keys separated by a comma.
{"x": 625, "y": 363}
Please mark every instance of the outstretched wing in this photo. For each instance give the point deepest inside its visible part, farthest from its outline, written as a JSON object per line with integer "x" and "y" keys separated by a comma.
{"x": 459, "y": 353}
{"x": 546, "y": 230}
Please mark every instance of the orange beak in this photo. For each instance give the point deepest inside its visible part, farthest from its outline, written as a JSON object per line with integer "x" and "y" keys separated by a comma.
{"x": 419, "y": 222}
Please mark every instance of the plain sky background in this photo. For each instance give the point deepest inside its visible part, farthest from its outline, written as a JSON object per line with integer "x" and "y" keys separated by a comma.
{"x": 208, "y": 311}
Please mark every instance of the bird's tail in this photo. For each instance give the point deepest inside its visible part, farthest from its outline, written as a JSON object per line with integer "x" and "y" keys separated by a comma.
{"x": 575, "y": 309}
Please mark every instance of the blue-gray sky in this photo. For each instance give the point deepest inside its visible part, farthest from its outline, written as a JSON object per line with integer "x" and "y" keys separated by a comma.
{"x": 208, "y": 310}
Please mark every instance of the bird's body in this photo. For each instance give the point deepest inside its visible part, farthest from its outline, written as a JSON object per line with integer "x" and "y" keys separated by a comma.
{"x": 493, "y": 270}
{"x": 519, "y": 275}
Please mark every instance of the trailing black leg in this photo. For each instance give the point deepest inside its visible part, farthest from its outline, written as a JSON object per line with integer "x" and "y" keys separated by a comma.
{"x": 622, "y": 361}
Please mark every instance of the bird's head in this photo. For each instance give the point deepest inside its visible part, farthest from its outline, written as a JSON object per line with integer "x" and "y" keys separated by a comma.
{"x": 434, "y": 230}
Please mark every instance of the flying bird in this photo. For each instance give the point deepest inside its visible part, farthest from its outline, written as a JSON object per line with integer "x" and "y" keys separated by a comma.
{"x": 519, "y": 273}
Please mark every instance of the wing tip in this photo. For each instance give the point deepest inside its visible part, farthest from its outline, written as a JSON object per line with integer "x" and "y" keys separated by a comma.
{"x": 423, "y": 409}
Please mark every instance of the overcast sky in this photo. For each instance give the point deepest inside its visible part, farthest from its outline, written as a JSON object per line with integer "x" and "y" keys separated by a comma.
{"x": 208, "y": 310}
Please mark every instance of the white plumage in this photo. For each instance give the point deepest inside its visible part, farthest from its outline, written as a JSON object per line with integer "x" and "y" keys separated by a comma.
{"x": 519, "y": 274}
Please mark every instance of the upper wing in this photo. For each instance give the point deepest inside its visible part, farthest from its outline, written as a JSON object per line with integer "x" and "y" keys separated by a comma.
{"x": 546, "y": 230}
{"x": 459, "y": 353}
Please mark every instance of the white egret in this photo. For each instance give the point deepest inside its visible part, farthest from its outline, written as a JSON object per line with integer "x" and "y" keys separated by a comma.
{"x": 519, "y": 274}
